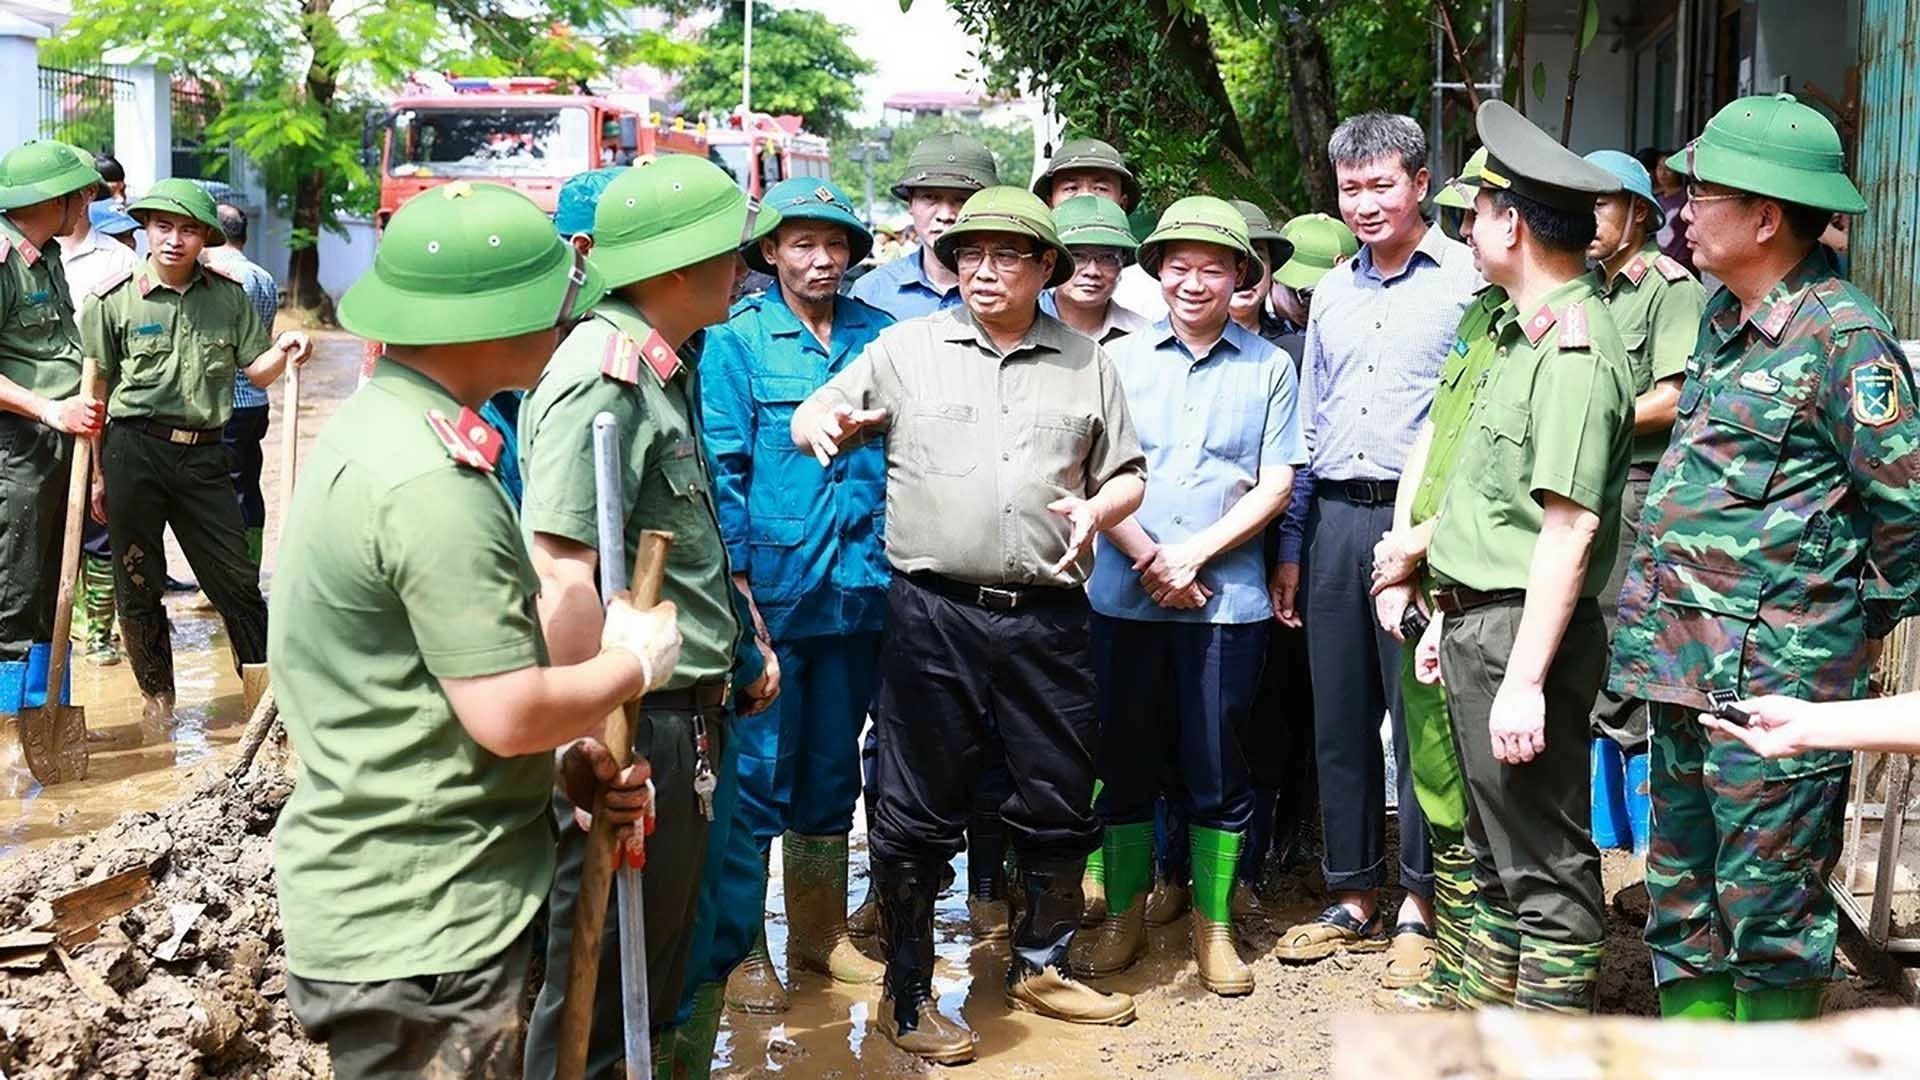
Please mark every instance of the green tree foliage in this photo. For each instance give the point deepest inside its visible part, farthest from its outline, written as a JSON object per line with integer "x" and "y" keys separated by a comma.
{"x": 803, "y": 63}
{"x": 1012, "y": 147}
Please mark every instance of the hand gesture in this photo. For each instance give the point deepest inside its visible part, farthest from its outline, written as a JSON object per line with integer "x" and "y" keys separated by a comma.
{"x": 1776, "y": 726}
{"x": 1170, "y": 569}
{"x": 1390, "y": 607}
{"x": 586, "y": 767}
{"x": 1083, "y": 523}
{"x": 297, "y": 346}
{"x": 651, "y": 636}
{"x": 1393, "y": 561}
{"x": 76, "y": 415}
{"x": 1426, "y": 655}
{"x": 1518, "y": 723}
{"x": 836, "y": 426}
{"x": 97, "y": 498}
{"x": 1283, "y": 589}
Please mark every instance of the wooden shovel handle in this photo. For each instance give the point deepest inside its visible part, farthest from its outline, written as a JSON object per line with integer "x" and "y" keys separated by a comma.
{"x": 77, "y": 488}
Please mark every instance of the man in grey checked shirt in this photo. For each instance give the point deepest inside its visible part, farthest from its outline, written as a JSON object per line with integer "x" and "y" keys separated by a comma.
{"x": 1381, "y": 326}
{"x": 249, "y": 424}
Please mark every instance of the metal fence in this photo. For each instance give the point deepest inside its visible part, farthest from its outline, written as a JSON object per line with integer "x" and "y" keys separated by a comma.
{"x": 195, "y": 156}
{"x": 77, "y": 106}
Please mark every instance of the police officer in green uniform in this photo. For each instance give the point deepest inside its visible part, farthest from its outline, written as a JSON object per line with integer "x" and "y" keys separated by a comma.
{"x": 666, "y": 237}
{"x": 43, "y": 192}
{"x": 415, "y": 854}
{"x": 169, "y": 337}
{"x": 1782, "y": 534}
{"x": 1521, "y": 549}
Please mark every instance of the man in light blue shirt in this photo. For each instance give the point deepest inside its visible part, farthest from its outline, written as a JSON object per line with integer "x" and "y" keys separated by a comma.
{"x": 942, "y": 172}
{"x": 248, "y": 426}
{"x": 1179, "y": 588}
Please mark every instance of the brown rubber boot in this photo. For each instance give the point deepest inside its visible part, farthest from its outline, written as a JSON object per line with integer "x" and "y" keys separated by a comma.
{"x": 254, "y": 682}
{"x": 1037, "y": 979}
{"x": 1246, "y": 903}
{"x": 754, "y": 987}
{"x": 817, "y": 936}
{"x": 1216, "y": 861}
{"x": 864, "y": 921}
{"x": 908, "y": 1016}
{"x": 989, "y": 920}
{"x": 1113, "y": 946}
{"x": 1221, "y": 969}
{"x": 1167, "y": 902}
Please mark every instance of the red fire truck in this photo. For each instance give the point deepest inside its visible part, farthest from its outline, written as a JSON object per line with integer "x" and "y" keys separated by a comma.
{"x": 761, "y": 150}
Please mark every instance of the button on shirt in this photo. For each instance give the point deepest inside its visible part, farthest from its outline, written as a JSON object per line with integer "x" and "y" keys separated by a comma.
{"x": 171, "y": 356}
{"x": 902, "y": 289}
{"x": 1375, "y": 345}
{"x": 810, "y": 540}
{"x": 1208, "y": 426}
{"x": 39, "y": 343}
{"x": 264, "y": 294}
{"x": 979, "y": 442}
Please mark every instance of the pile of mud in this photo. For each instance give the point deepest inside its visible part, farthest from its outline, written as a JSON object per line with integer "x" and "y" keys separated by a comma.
{"x": 152, "y": 947}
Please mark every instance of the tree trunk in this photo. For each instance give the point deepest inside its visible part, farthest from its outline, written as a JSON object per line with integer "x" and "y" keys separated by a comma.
{"x": 1311, "y": 104}
{"x": 1189, "y": 45}
{"x": 310, "y": 192}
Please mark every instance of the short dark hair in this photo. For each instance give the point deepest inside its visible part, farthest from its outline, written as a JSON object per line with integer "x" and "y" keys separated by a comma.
{"x": 1805, "y": 223}
{"x": 1565, "y": 231}
{"x": 233, "y": 222}
{"x": 1649, "y": 156}
{"x": 109, "y": 169}
{"x": 1370, "y": 136}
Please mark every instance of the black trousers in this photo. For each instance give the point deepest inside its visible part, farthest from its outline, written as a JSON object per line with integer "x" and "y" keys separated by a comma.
{"x": 245, "y": 431}
{"x": 153, "y": 484}
{"x": 34, "y": 463}
{"x": 962, "y": 687}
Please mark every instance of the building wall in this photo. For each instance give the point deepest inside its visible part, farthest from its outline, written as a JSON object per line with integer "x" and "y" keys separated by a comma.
{"x": 1803, "y": 42}
{"x": 1602, "y": 100}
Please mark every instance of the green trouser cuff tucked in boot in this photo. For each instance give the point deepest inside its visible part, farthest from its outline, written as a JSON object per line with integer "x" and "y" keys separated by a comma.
{"x": 1491, "y": 966}
{"x": 1557, "y": 976}
{"x": 1778, "y": 1003}
{"x": 1128, "y": 855}
{"x": 1097, "y": 862}
{"x": 1709, "y": 998}
{"x": 1216, "y": 855}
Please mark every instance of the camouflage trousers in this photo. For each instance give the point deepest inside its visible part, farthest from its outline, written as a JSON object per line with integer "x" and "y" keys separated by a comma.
{"x": 1742, "y": 849}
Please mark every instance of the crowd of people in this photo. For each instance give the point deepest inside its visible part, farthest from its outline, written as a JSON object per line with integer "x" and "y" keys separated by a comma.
{"x": 1101, "y": 559}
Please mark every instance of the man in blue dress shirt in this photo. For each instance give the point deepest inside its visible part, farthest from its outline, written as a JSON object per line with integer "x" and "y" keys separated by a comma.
{"x": 942, "y": 172}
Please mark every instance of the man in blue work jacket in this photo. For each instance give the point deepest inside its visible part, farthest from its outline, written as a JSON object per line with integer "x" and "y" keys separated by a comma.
{"x": 805, "y": 545}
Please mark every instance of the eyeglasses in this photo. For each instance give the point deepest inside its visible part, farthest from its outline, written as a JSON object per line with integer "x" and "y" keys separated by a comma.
{"x": 1104, "y": 258}
{"x": 1698, "y": 194}
{"x": 1005, "y": 260}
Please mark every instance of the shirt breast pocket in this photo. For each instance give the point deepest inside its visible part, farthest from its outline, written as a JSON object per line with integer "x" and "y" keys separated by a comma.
{"x": 688, "y": 514}
{"x": 149, "y": 358}
{"x": 944, "y": 438}
{"x": 1638, "y": 363}
{"x": 1739, "y": 444}
{"x": 774, "y": 399}
{"x": 1502, "y": 430}
{"x": 1061, "y": 441}
{"x": 220, "y": 356}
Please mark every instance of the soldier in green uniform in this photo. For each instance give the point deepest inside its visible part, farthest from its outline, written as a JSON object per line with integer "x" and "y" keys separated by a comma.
{"x": 666, "y": 236}
{"x": 1781, "y": 535}
{"x": 43, "y": 193}
{"x": 1518, "y": 557}
{"x": 1403, "y": 583}
{"x": 415, "y": 854}
{"x": 169, "y": 337}
{"x": 1656, "y": 303}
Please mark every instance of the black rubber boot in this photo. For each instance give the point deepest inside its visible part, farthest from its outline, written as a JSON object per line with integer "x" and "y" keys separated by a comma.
{"x": 908, "y": 1015}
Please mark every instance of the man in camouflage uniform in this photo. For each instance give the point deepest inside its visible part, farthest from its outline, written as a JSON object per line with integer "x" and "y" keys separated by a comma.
{"x": 1782, "y": 533}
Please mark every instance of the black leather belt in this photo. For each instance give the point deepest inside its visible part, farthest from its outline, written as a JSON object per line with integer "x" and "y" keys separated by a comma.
{"x": 996, "y": 597}
{"x": 1454, "y": 599}
{"x": 177, "y": 436}
{"x": 710, "y": 695}
{"x": 1363, "y": 492}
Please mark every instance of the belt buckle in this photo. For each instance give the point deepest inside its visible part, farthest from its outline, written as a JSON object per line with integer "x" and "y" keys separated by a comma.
{"x": 726, "y": 691}
{"x": 179, "y": 437}
{"x": 995, "y": 599}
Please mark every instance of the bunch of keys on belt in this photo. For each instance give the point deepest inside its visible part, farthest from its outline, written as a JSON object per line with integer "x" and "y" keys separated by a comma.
{"x": 704, "y": 782}
{"x": 1721, "y": 704}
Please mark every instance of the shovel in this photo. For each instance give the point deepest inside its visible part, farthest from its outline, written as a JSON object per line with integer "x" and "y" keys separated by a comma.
{"x": 599, "y": 869}
{"x": 53, "y": 735}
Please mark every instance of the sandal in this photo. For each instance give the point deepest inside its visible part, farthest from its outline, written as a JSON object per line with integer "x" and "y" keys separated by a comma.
{"x": 1410, "y": 957}
{"x": 1333, "y": 930}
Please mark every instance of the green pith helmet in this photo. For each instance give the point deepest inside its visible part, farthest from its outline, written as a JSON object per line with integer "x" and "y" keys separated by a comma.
{"x": 184, "y": 197}
{"x": 672, "y": 212}
{"x": 42, "y": 169}
{"x": 1773, "y": 146}
{"x": 1006, "y": 210}
{"x": 948, "y": 160}
{"x": 1274, "y": 249}
{"x": 1320, "y": 243}
{"x": 1089, "y": 154}
{"x": 1091, "y": 221}
{"x": 810, "y": 198}
{"x": 1458, "y": 193}
{"x": 1206, "y": 220}
{"x": 467, "y": 262}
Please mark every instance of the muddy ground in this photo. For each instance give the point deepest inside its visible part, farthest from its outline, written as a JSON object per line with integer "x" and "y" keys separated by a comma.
{"x": 189, "y": 982}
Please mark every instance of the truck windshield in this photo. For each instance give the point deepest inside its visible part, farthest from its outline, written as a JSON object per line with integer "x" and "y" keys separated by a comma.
{"x": 733, "y": 157}
{"x": 490, "y": 142}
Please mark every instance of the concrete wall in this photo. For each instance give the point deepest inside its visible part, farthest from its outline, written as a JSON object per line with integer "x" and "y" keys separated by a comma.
{"x": 1601, "y": 102}
{"x": 1803, "y": 42}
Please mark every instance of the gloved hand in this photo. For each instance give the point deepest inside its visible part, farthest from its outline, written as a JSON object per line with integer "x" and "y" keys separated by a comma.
{"x": 651, "y": 636}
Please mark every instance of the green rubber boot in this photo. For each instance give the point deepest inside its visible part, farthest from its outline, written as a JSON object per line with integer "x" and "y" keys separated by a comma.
{"x": 1216, "y": 857}
{"x": 1558, "y": 977}
{"x": 693, "y": 1041}
{"x": 256, "y": 545}
{"x": 1709, "y": 998}
{"x": 1117, "y": 942}
{"x": 1093, "y": 883}
{"x": 1492, "y": 964}
{"x": 1778, "y": 1003}
{"x": 1453, "y": 895}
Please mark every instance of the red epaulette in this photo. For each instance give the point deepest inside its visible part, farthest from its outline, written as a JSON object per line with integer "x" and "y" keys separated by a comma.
{"x": 113, "y": 282}
{"x": 1636, "y": 268}
{"x": 1574, "y": 333}
{"x": 468, "y": 439}
{"x": 1670, "y": 268}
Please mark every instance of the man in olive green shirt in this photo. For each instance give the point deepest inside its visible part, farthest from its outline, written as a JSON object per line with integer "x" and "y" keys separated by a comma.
{"x": 43, "y": 191}
{"x": 666, "y": 235}
{"x": 168, "y": 338}
{"x": 1518, "y": 558}
{"x": 410, "y": 669}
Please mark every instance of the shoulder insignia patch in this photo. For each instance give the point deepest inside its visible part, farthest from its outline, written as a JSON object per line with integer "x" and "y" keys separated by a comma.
{"x": 1574, "y": 332}
{"x": 6, "y": 248}
{"x": 621, "y": 361}
{"x": 661, "y": 357}
{"x": 1636, "y": 268}
{"x": 1876, "y": 392}
{"x": 1537, "y": 327}
{"x": 468, "y": 439}
{"x": 113, "y": 282}
{"x": 1670, "y": 268}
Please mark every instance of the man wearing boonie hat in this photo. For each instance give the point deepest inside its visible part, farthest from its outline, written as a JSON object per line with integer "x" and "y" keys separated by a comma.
{"x": 1094, "y": 167}
{"x": 44, "y": 188}
{"x": 1656, "y": 303}
{"x": 1400, "y": 570}
{"x": 667, "y": 235}
{"x": 1008, "y": 448}
{"x": 1179, "y": 587}
{"x": 1095, "y": 231}
{"x": 806, "y": 544}
{"x": 410, "y": 668}
{"x": 169, "y": 337}
{"x": 942, "y": 172}
{"x": 1781, "y": 535}
{"x": 1522, "y": 546}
